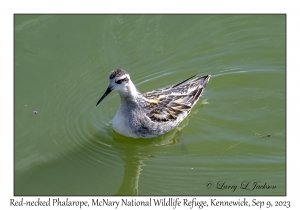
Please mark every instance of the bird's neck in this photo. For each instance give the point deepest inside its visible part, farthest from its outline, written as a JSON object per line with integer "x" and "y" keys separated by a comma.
{"x": 130, "y": 95}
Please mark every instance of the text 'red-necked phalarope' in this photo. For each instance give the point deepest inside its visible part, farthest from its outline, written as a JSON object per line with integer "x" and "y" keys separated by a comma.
{"x": 153, "y": 113}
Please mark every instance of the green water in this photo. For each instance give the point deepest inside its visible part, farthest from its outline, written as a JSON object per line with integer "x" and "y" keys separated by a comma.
{"x": 234, "y": 136}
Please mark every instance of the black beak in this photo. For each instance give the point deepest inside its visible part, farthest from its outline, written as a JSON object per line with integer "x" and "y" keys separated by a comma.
{"x": 108, "y": 90}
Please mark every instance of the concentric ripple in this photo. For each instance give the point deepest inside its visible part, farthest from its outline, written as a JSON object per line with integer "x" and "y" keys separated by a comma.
{"x": 235, "y": 132}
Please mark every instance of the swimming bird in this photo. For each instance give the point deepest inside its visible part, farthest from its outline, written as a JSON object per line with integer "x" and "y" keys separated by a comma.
{"x": 153, "y": 113}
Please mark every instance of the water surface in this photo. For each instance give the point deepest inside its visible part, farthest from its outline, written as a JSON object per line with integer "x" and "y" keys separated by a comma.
{"x": 234, "y": 136}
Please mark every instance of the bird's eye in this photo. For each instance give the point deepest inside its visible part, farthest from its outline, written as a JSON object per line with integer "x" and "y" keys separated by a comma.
{"x": 119, "y": 81}
{"x": 122, "y": 80}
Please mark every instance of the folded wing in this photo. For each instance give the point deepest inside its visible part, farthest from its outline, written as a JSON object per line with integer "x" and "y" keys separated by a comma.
{"x": 168, "y": 103}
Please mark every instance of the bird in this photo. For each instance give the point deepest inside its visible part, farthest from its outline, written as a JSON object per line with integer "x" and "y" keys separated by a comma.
{"x": 150, "y": 114}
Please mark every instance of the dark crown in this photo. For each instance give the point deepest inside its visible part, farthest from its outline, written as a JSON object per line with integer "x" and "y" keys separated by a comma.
{"x": 117, "y": 73}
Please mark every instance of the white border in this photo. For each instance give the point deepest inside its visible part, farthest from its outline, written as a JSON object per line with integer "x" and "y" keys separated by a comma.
{"x": 8, "y": 8}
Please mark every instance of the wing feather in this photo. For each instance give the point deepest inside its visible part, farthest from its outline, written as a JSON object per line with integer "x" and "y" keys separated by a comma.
{"x": 168, "y": 103}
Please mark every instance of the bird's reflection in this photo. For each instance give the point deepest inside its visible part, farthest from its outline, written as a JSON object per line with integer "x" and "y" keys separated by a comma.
{"x": 135, "y": 154}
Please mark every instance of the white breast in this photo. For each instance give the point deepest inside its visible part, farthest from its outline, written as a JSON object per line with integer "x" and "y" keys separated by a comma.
{"x": 119, "y": 124}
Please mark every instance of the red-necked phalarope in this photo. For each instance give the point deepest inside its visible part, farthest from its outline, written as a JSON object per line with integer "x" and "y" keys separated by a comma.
{"x": 153, "y": 113}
